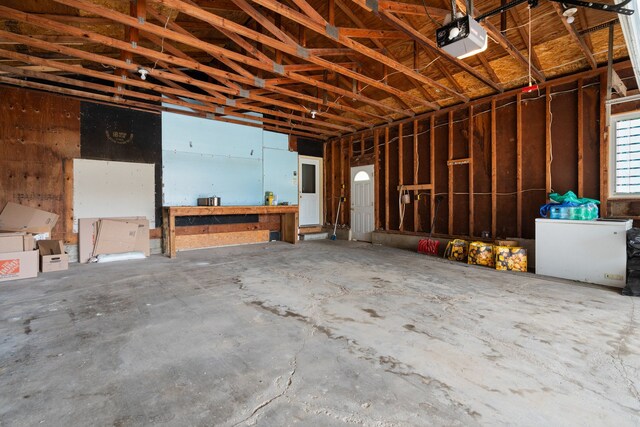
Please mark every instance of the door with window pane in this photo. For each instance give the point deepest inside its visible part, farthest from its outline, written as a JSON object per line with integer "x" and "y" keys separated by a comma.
{"x": 309, "y": 202}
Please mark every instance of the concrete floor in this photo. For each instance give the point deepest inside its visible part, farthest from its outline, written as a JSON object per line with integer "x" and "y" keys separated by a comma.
{"x": 324, "y": 333}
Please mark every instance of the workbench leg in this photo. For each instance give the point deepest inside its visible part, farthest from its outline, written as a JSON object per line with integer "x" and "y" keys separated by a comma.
{"x": 172, "y": 236}
{"x": 165, "y": 232}
{"x": 290, "y": 227}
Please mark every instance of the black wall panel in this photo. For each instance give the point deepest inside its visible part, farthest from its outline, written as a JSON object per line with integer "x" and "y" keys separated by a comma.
{"x": 118, "y": 134}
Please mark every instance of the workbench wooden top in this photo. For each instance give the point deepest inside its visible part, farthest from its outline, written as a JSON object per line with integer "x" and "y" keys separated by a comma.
{"x": 229, "y": 210}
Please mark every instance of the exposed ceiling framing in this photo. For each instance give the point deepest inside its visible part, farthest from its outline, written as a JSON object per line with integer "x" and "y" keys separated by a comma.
{"x": 311, "y": 68}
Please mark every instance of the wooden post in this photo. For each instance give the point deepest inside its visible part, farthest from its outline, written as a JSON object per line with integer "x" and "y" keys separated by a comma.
{"x": 400, "y": 165}
{"x": 519, "y": 164}
{"x": 376, "y": 177}
{"x": 333, "y": 181}
{"x": 432, "y": 168}
{"x": 580, "y": 138}
{"x": 604, "y": 148}
{"x": 450, "y": 173}
{"x": 324, "y": 182}
{"x": 67, "y": 168}
{"x": 416, "y": 220}
{"x": 471, "y": 190}
{"x": 342, "y": 181}
{"x": 386, "y": 178}
{"x": 362, "y": 145}
{"x": 494, "y": 176}
{"x": 548, "y": 146}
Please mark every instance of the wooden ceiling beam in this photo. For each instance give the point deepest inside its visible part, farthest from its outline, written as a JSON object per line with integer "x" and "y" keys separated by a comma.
{"x": 182, "y": 93}
{"x": 365, "y": 33}
{"x": 21, "y": 16}
{"x": 224, "y": 111}
{"x": 411, "y": 9}
{"x": 576, "y": 37}
{"x": 310, "y": 11}
{"x": 29, "y": 59}
{"x": 357, "y": 47}
{"x": 313, "y": 67}
{"x": 503, "y": 41}
{"x": 356, "y": 20}
{"x": 434, "y": 59}
{"x": 312, "y": 57}
{"x": 214, "y": 19}
{"x": 218, "y": 5}
{"x": 57, "y": 39}
{"x": 429, "y": 44}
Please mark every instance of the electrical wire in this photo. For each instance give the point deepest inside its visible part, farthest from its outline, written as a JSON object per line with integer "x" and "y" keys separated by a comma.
{"x": 426, "y": 9}
{"x": 162, "y": 40}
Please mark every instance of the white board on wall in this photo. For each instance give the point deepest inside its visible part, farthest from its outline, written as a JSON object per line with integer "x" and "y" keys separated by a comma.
{"x": 113, "y": 189}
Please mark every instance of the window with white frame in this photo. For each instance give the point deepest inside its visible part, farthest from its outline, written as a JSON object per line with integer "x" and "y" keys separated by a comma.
{"x": 625, "y": 134}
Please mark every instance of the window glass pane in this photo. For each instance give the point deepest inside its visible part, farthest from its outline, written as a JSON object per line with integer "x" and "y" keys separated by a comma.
{"x": 308, "y": 178}
{"x": 627, "y": 162}
{"x": 361, "y": 176}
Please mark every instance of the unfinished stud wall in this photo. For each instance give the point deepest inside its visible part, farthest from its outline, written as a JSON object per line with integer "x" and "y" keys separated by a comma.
{"x": 491, "y": 162}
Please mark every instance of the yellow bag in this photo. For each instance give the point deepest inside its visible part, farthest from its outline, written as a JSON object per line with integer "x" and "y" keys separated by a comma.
{"x": 481, "y": 253}
{"x": 510, "y": 258}
{"x": 456, "y": 250}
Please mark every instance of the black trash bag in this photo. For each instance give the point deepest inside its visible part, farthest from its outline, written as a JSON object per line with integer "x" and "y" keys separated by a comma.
{"x": 632, "y": 289}
{"x": 633, "y": 264}
{"x": 633, "y": 242}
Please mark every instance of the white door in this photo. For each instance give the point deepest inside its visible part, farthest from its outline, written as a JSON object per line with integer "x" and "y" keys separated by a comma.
{"x": 309, "y": 201}
{"x": 362, "y": 209}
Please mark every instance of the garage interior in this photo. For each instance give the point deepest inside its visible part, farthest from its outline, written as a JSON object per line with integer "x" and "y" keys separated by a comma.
{"x": 221, "y": 206}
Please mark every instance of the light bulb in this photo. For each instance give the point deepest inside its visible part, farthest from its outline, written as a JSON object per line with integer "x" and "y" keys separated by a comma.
{"x": 453, "y": 33}
{"x": 570, "y": 19}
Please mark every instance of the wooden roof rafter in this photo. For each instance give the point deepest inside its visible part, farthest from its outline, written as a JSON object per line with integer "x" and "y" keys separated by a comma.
{"x": 289, "y": 46}
{"x": 220, "y": 108}
{"x": 576, "y": 37}
{"x": 35, "y": 20}
{"x": 356, "y": 20}
{"x": 132, "y": 67}
{"x": 359, "y": 48}
{"x": 145, "y": 106}
{"x": 503, "y": 41}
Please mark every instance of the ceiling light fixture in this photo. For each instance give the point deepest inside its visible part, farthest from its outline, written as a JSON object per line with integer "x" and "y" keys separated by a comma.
{"x": 143, "y": 73}
{"x": 569, "y": 14}
{"x": 313, "y": 114}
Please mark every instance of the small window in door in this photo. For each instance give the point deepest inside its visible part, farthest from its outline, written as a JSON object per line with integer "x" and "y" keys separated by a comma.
{"x": 361, "y": 176}
{"x": 308, "y": 178}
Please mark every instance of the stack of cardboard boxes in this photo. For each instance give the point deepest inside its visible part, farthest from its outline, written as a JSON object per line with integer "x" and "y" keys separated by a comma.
{"x": 25, "y": 247}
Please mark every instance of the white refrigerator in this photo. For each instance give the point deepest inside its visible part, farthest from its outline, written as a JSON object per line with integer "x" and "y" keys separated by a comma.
{"x": 587, "y": 251}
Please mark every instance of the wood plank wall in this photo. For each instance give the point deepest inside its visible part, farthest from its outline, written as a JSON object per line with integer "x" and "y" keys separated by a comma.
{"x": 39, "y": 134}
{"x": 491, "y": 162}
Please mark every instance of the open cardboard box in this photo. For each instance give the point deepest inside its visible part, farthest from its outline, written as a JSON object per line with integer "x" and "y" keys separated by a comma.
{"x": 52, "y": 256}
{"x": 16, "y": 242}
{"x": 20, "y": 226}
{"x": 15, "y": 217}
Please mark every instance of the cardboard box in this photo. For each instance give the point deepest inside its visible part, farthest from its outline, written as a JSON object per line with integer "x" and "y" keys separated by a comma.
{"x": 18, "y": 265}
{"x": 16, "y": 242}
{"x": 15, "y": 217}
{"x": 88, "y": 233}
{"x": 115, "y": 237}
{"x": 52, "y": 256}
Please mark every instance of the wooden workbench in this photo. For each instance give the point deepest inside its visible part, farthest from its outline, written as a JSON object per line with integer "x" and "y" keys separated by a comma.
{"x": 288, "y": 214}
